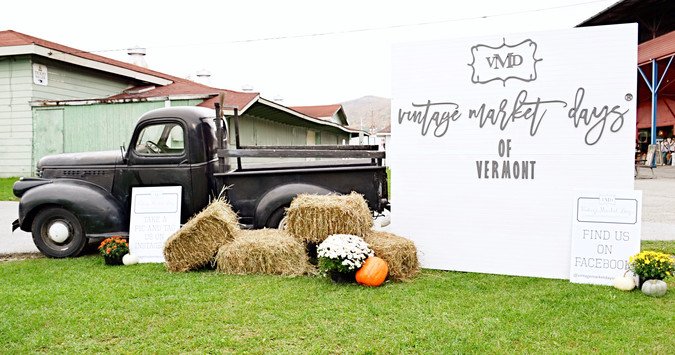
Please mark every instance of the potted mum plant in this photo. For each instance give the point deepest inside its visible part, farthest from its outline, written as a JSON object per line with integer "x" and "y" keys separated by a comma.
{"x": 341, "y": 255}
{"x": 113, "y": 249}
{"x": 652, "y": 265}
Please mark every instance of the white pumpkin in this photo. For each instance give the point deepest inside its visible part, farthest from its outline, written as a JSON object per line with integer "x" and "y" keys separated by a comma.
{"x": 655, "y": 288}
{"x": 624, "y": 283}
{"x": 129, "y": 259}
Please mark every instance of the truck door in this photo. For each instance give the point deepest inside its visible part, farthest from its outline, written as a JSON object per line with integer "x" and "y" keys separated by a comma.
{"x": 158, "y": 156}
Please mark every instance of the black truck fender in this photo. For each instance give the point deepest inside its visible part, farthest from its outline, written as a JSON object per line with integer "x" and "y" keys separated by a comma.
{"x": 98, "y": 211}
{"x": 281, "y": 197}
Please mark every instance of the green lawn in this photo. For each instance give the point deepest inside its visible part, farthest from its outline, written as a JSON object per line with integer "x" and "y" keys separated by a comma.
{"x": 6, "y": 189}
{"x": 663, "y": 246}
{"x": 82, "y": 306}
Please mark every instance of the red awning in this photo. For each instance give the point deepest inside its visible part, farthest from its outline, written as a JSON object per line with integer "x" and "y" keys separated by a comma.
{"x": 660, "y": 49}
{"x": 665, "y": 113}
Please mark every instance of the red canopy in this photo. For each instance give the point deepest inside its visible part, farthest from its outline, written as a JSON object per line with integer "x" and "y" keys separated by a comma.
{"x": 665, "y": 113}
{"x": 661, "y": 49}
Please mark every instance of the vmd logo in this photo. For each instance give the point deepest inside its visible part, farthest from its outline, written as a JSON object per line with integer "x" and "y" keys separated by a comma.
{"x": 504, "y": 62}
{"x": 511, "y": 60}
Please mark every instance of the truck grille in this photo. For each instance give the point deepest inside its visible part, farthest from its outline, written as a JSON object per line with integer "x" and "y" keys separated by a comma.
{"x": 83, "y": 173}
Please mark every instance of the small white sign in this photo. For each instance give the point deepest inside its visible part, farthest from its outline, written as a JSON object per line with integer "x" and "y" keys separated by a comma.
{"x": 40, "y": 75}
{"x": 155, "y": 216}
{"x": 605, "y": 233}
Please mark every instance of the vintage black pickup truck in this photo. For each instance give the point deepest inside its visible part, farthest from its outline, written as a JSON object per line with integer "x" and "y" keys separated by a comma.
{"x": 81, "y": 196}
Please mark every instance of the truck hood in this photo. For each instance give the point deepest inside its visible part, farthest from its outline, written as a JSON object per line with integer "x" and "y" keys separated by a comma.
{"x": 110, "y": 158}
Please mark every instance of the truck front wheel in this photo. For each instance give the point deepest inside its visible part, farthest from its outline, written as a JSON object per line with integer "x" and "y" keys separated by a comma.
{"x": 58, "y": 233}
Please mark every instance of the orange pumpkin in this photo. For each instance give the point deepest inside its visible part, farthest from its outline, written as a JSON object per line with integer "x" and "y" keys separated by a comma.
{"x": 373, "y": 272}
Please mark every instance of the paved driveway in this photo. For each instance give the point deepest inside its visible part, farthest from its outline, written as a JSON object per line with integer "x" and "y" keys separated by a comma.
{"x": 658, "y": 212}
{"x": 17, "y": 242}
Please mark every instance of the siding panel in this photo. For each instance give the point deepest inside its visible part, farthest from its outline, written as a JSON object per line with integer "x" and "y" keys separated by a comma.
{"x": 15, "y": 117}
{"x": 103, "y": 126}
{"x": 73, "y": 82}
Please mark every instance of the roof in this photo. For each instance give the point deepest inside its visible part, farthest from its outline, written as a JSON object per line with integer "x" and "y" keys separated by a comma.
{"x": 156, "y": 86}
{"x": 322, "y": 111}
{"x": 295, "y": 112}
{"x": 184, "y": 87}
{"x": 240, "y": 100}
{"x": 654, "y": 17}
{"x": 658, "y": 48}
{"x": 17, "y": 43}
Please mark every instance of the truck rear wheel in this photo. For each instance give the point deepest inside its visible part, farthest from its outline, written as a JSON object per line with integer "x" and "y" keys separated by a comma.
{"x": 58, "y": 233}
{"x": 277, "y": 219}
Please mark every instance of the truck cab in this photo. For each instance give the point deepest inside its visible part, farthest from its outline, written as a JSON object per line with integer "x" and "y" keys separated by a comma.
{"x": 77, "y": 196}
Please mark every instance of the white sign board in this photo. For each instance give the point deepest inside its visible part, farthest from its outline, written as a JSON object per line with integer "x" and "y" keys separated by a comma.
{"x": 155, "y": 216}
{"x": 491, "y": 136}
{"x": 40, "y": 75}
{"x": 605, "y": 233}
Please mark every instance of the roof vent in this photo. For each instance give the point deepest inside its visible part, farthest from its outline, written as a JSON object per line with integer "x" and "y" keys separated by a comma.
{"x": 203, "y": 76}
{"x": 247, "y": 88}
{"x": 137, "y": 55}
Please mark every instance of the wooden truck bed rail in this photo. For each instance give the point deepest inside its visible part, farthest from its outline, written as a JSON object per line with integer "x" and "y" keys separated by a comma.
{"x": 313, "y": 151}
{"x": 290, "y": 152}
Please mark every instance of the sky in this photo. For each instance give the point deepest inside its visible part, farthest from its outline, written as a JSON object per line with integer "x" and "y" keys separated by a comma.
{"x": 302, "y": 52}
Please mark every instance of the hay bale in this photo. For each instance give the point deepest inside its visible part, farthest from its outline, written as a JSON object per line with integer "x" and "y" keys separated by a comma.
{"x": 312, "y": 218}
{"x": 263, "y": 251}
{"x": 399, "y": 253}
{"x": 194, "y": 245}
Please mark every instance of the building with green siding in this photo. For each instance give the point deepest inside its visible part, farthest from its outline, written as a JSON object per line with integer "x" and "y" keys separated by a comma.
{"x": 57, "y": 99}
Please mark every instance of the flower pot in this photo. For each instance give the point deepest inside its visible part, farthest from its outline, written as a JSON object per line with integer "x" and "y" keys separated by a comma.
{"x": 342, "y": 277}
{"x": 112, "y": 260}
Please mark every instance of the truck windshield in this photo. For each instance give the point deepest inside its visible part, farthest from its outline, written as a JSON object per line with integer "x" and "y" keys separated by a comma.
{"x": 163, "y": 138}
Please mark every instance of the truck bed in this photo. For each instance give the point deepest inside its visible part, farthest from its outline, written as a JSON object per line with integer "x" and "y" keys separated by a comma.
{"x": 246, "y": 188}
{"x": 339, "y": 169}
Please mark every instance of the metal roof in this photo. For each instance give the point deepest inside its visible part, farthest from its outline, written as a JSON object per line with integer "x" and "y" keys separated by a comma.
{"x": 658, "y": 48}
{"x": 17, "y": 43}
{"x": 654, "y": 17}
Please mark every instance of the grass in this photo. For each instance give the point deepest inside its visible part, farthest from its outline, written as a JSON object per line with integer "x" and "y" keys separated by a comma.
{"x": 663, "y": 246}
{"x": 82, "y": 306}
{"x": 6, "y": 193}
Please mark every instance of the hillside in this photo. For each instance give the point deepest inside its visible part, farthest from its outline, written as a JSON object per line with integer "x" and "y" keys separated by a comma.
{"x": 368, "y": 112}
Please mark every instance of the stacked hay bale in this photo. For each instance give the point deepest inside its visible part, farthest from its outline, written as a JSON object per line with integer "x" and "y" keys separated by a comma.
{"x": 215, "y": 233}
{"x": 399, "y": 253}
{"x": 312, "y": 218}
{"x": 196, "y": 243}
{"x": 263, "y": 251}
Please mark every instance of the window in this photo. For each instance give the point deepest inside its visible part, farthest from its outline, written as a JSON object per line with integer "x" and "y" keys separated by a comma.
{"x": 163, "y": 138}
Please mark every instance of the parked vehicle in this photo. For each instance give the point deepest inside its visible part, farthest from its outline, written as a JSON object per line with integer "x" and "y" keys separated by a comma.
{"x": 80, "y": 196}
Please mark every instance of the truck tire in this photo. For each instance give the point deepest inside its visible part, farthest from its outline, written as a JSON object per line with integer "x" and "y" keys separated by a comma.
{"x": 58, "y": 233}
{"x": 277, "y": 219}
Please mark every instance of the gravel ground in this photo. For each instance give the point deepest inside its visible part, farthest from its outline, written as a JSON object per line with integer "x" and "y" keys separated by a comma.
{"x": 658, "y": 213}
{"x": 658, "y": 203}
